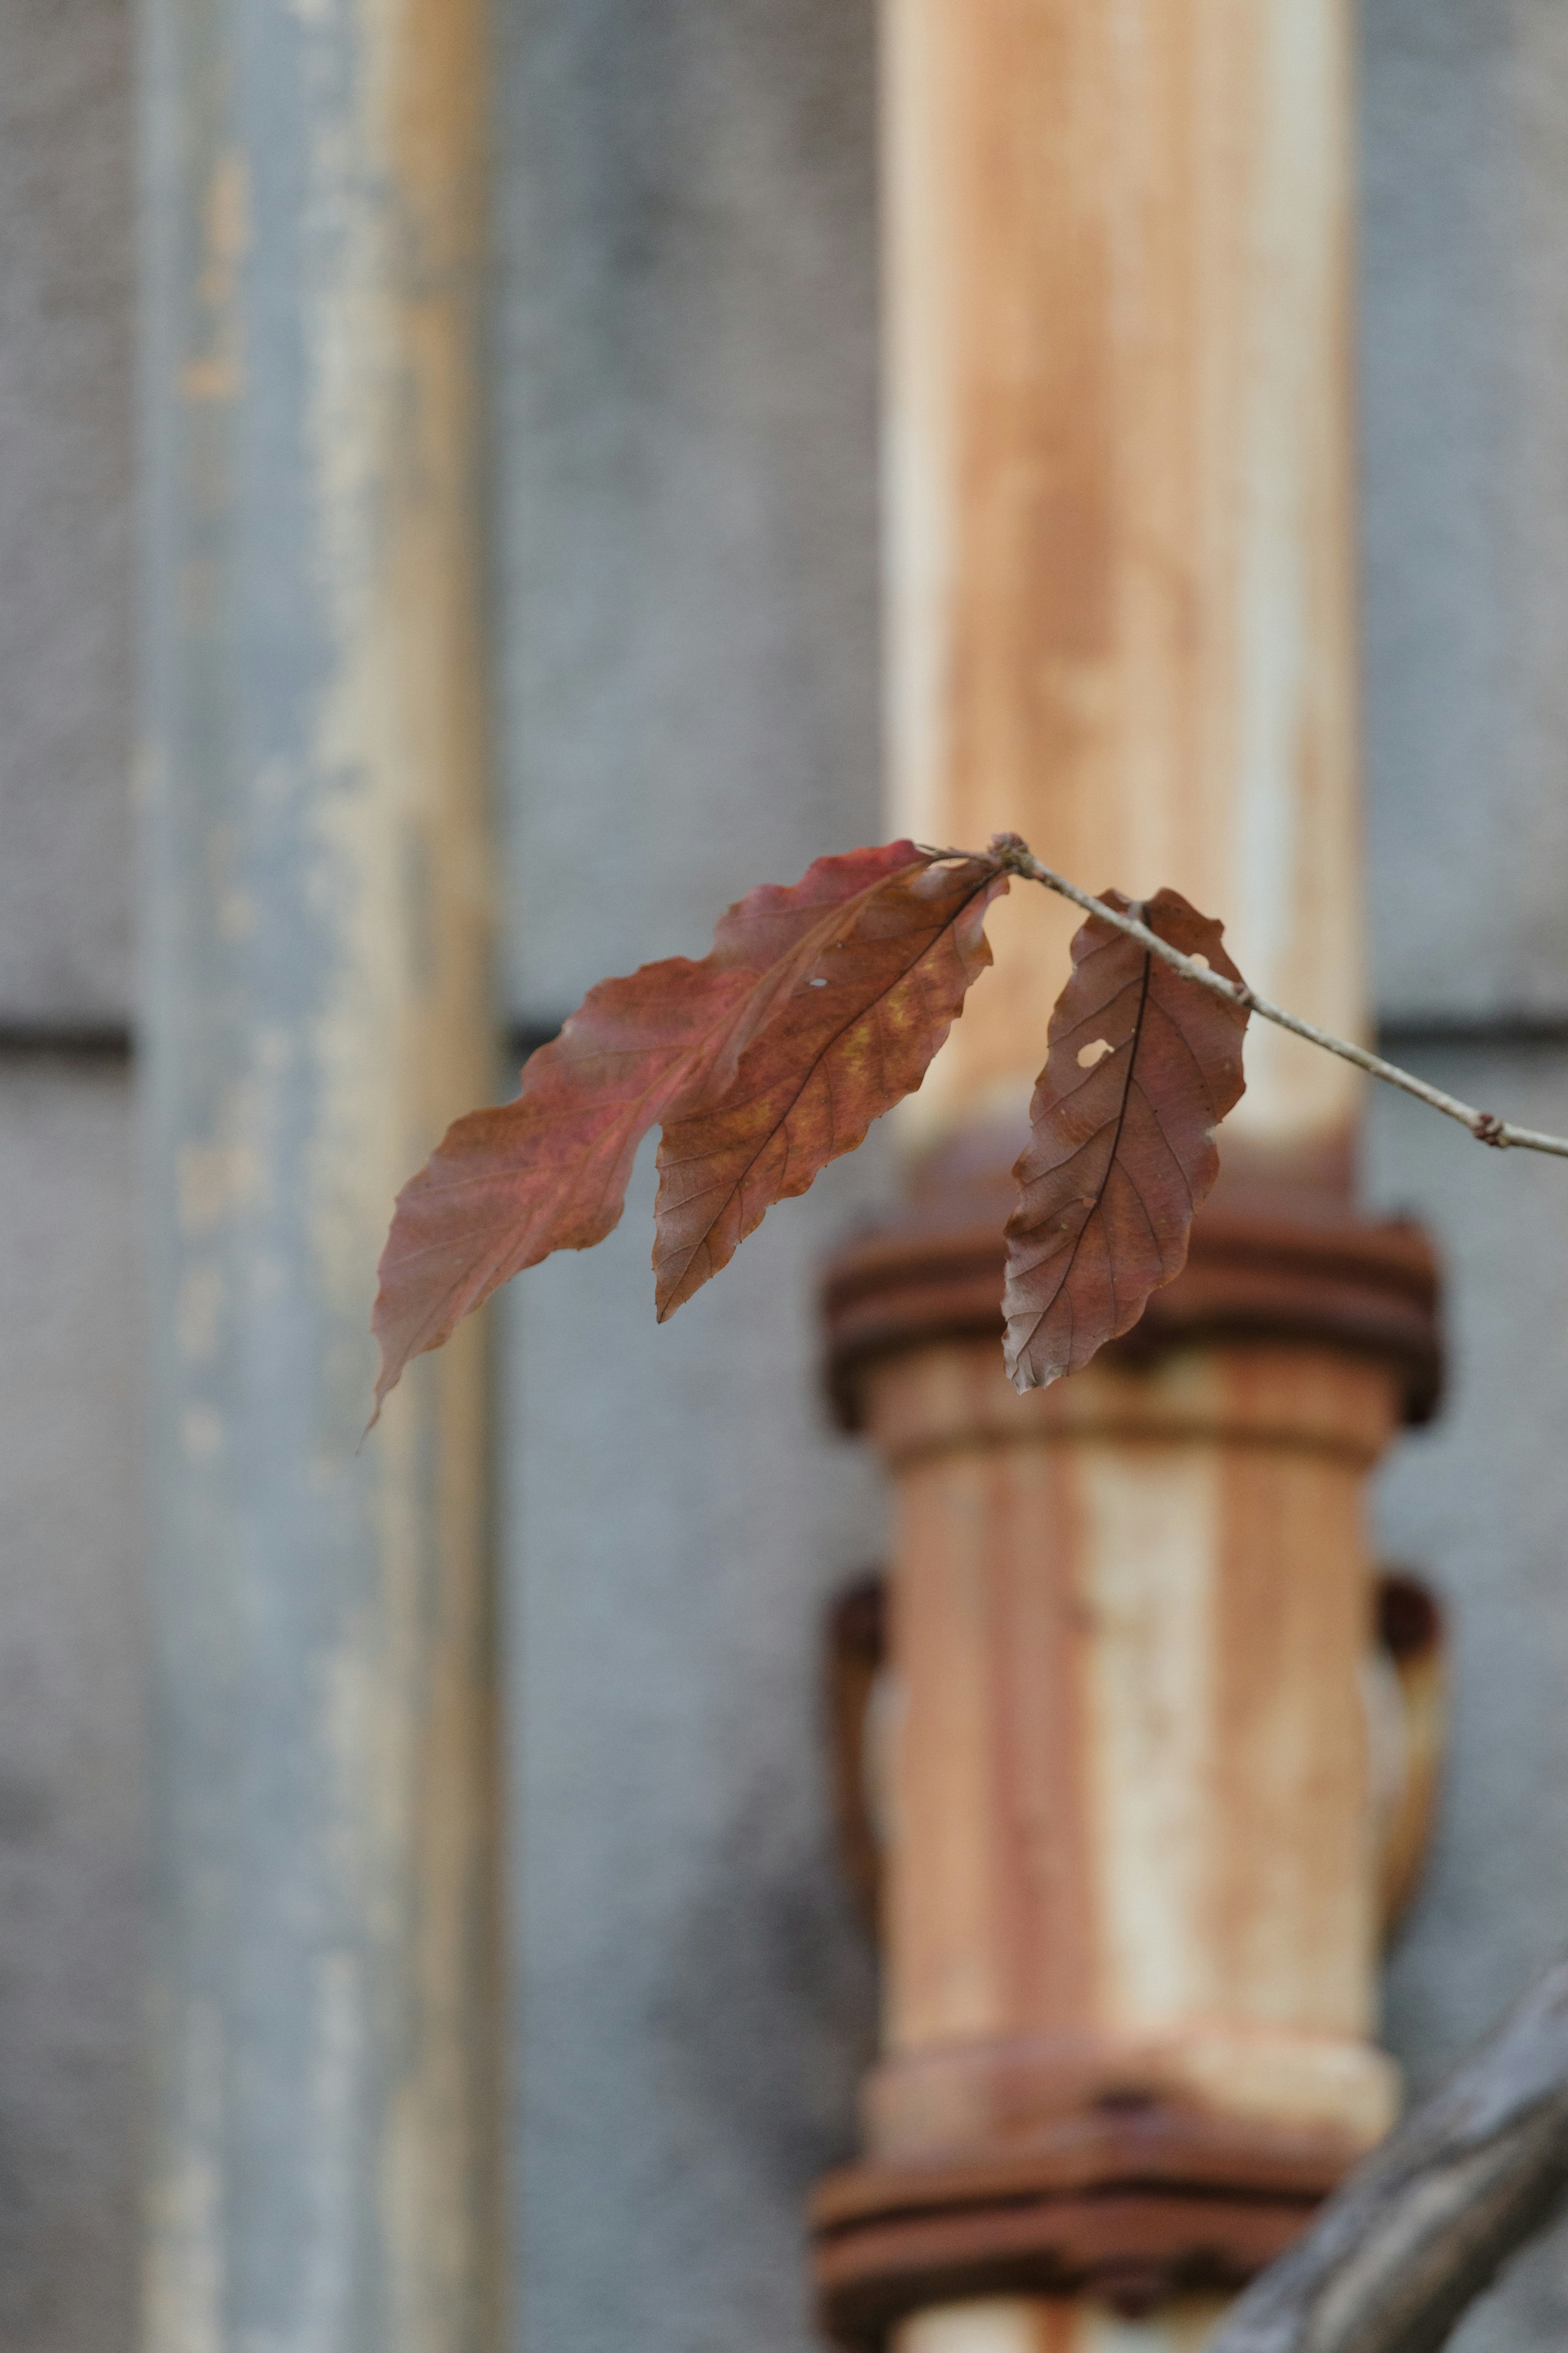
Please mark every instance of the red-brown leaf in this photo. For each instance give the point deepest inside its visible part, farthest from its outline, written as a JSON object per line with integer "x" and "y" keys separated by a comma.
{"x": 1121, "y": 1147}
{"x": 547, "y": 1171}
{"x": 847, "y": 1045}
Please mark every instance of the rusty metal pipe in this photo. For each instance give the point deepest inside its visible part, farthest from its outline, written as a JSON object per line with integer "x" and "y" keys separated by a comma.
{"x": 1119, "y": 554}
{"x": 1130, "y": 1905}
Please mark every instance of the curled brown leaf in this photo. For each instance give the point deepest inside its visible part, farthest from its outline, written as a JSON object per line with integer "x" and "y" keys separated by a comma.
{"x": 547, "y": 1171}
{"x": 856, "y": 1034}
{"x": 1143, "y": 1067}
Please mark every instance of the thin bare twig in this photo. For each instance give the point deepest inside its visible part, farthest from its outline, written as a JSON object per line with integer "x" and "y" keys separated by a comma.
{"x": 1018, "y": 858}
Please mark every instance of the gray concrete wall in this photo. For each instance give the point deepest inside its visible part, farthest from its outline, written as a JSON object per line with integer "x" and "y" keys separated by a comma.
{"x": 67, "y": 352}
{"x": 71, "y": 1656}
{"x": 1477, "y": 1504}
{"x": 686, "y": 389}
{"x": 70, "y": 1702}
{"x": 1464, "y": 358}
{"x": 1464, "y": 355}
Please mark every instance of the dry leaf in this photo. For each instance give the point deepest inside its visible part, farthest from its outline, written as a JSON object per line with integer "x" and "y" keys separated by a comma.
{"x": 1142, "y": 1066}
{"x": 854, "y": 1038}
{"x": 547, "y": 1171}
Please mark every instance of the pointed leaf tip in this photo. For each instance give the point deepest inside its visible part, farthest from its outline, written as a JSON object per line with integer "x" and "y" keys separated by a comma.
{"x": 507, "y": 1186}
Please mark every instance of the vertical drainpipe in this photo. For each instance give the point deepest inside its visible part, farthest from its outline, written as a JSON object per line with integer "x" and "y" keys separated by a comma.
{"x": 1129, "y": 1903}
{"x": 322, "y": 2159}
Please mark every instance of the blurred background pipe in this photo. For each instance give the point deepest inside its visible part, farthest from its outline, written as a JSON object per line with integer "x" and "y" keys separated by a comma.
{"x": 323, "y": 2162}
{"x": 1130, "y": 1908}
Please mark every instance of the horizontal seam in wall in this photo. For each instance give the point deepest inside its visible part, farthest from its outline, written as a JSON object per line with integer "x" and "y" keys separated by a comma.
{"x": 114, "y": 1041}
{"x": 1406, "y": 1033}
{"x": 1410, "y": 1033}
{"x": 65, "y": 1041}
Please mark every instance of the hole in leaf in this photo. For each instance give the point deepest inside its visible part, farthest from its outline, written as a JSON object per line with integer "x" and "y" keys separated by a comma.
{"x": 817, "y": 983}
{"x": 1196, "y": 958}
{"x": 1096, "y": 1051}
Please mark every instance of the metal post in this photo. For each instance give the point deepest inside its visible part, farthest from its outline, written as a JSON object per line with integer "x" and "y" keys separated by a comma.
{"x": 1130, "y": 1914}
{"x": 324, "y": 2167}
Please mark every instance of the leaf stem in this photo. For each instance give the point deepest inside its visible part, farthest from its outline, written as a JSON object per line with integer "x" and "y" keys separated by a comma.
{"x": 1015, "y": 856}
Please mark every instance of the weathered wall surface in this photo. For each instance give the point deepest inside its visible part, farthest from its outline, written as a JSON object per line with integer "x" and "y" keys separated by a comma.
{"x": 1464, "y": 354}
{"x": 686, "y": 399}
{"x": 71, "y": 1656}
{"x": 71, "y": 1665}
{"x": 686, "y": 390}
{"x": 1476, "y": 1503}
{"x": 67, "y": 352}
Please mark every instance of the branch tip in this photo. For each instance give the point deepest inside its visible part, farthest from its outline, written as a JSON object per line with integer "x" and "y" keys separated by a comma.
{"x": 1014, "y": 856}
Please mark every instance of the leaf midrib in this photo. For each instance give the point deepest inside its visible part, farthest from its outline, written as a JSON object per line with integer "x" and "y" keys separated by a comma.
{"x": 1094, "y": 1207}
